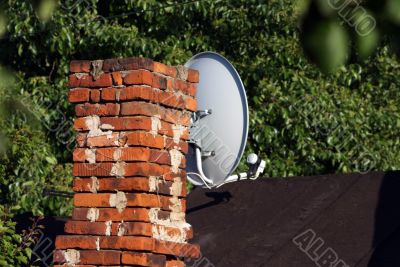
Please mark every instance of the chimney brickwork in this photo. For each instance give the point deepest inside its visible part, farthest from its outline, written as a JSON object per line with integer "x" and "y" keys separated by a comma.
{"x": 132, "y": 125}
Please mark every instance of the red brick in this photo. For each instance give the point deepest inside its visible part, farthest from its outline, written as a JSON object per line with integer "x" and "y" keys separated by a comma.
{"x": 133, "y": 123}
{"x": 185, "y": 87}
{"x": 143, "y": 139}
{"x": 153, "y": 201}
{"x": 137, "y": 163}
{"x": 171, "y": 176}
{"x": 133, "y": 228}
{"x": 138, "y": 77}
{"x": 112, "y": 214}
{"x": 164, "y": 69}
{"x": 190, "y": 103}
{"x": 169, "y": 99}
{"x": 160, "y": 157}
{"x": 58, "y": 257}
{"x": 164, "y": 215}
{"x": 193, "y": 76}
{"x": 159, "y": 82}
{"x": 143, "y": 259}
{"x": 177, "y": 117}
{"x": 117, "y": 78}
{"x": 85, "y": 228}
{"x": 128, "y": 123}
{"x": 76, "y": 242}
{"x": 132, "y": 63}
{"x": 119, "y": 123}
{"x": 137, "y": 93}
{"x": 81, "y": 139}
{"x": 87, "y": 109}
{"x": 100, "y": 257}
{"x": 139, "y": 184}
{"x": 175, "y": 263}
{"x": 163, "y": 157}
{"x": 95, "y": 95}
{"x": 79, "y": 155}
{"x": 96, "y": 169}
{"x": 145, "y": 169}
{"x": 168, "y": 130}
{"x": 165, "y": 98}
{"x": 172, "y": 72}
{"x": 149, "y": 109}
{"x": 170, "y": 231}
{"x": 189, "y": 233}
{"x": 192, "y": 89}
{"x": 80, "y": 66}
{"x": 170, "y": 84}
{"x": 108, "y": 94}
{"x": 112, "y": 184}
{"x": 78, "y": 95}
{"x": 105, "y": 140}
{"x": 110, "y": 65}
{"x": 123, "y": 154}
{"x": 177, "y": 249}
{"x": 181, "y": 86}
{"x": 80, "y": 124}
{"x": 181, "y": 145}
{"x": 87, "y": 257}
{"x": 92, "y": 200}
{"x": 99, "y": 228}
{"x": 78, "y": 80}
{"x": 160, "y": 68}
{"x": 133, "y": 200}
{"x": 127, "y": 242}
{"x": 181, "y": 101}
{"x": 140, "y": 108}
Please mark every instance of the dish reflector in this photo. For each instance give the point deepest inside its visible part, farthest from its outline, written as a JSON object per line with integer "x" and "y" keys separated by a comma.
{"x": 221, "y": 123}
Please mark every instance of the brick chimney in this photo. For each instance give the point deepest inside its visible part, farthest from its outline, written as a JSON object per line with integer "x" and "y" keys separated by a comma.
{"x": 130, "y": 187}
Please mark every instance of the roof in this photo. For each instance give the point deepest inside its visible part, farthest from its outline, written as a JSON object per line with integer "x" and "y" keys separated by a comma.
{"x": 255, "y": 223}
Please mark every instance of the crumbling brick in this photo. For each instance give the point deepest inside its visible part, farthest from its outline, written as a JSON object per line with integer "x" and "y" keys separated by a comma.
{"x": 80, "y": 66}
{"x": 85, "y": 80}
{"x": 78, "y": 95}
{"x": 132, "y": 123}
{"x": 143, "y": 259}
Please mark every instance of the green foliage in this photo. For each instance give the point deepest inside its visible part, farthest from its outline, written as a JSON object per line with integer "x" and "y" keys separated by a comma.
{"x": 302, "y": 121}
{"x": 14, "y": 248}
{"x": 28, "y": 167}
{"x": 3, "y": 24}
{"x": 363, "y": 21}
{"x": 392, "y": 10}
{"x": 327, "y": 43}
{"x": 365, "y": 45}
{"x": 29, "y": 164}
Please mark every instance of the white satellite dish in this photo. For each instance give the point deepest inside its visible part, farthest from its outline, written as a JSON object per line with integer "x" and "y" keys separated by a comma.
{"x": 219, "y": 127}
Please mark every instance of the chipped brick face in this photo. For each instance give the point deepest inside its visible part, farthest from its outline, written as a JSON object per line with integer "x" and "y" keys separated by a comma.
{"x": 132, "y": 126}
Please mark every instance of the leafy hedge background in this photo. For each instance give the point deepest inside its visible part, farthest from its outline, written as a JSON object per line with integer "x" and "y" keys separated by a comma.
{"x": 302, "y": 121}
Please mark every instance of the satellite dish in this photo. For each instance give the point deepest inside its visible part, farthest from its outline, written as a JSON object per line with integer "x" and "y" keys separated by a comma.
{"x": 219, "y": 127}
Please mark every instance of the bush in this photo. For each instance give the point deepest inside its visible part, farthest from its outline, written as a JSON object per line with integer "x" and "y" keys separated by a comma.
{"x": 302, "y": 121}
{"x": 15, "y": 249}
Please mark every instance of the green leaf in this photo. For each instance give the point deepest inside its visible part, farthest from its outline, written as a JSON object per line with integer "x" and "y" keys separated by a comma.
{"x": 367, "y": 44}
{"x": 392, "y": 10}
{"x": 46, "y": 9}
{"x": 51, "y": 160}
{"x": 328, "y": 43}
{"x": 3, "y": 24}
